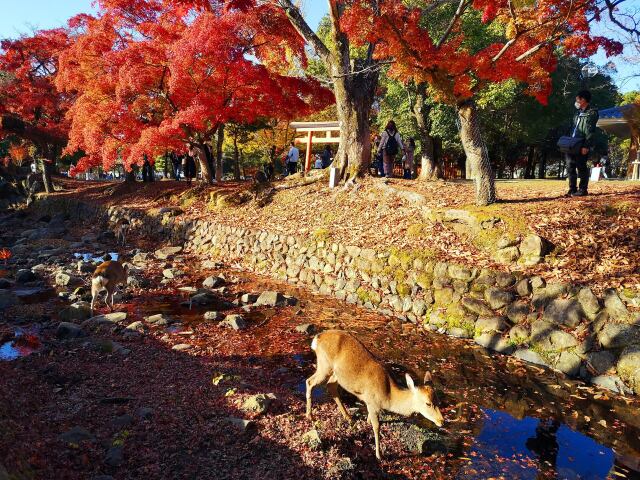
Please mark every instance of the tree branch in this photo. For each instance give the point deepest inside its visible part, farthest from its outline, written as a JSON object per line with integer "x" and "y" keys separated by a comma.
{"x": 305, "y": 31}
{"x": 462, "y": 6}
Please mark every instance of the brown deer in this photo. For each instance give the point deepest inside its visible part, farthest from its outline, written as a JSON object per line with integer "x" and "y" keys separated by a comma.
{"x": 120, "y": 229}
{"x": 343, "y": 360}
{"x": 107, "y": 277}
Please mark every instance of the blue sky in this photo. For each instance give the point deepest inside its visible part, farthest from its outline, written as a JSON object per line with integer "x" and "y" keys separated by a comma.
{"x": 22, "y": 16}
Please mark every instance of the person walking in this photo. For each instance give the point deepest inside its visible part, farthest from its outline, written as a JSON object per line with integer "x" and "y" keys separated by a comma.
{"x": 377, "y": 161}
{"x": 390, "y": 146}
{"x": 326, "y": 156}
{"x": 409, "y": 156}
{"x": 147, "y": 170}
{"x": 292, "y": 159}
{"x": 584, "y": 126}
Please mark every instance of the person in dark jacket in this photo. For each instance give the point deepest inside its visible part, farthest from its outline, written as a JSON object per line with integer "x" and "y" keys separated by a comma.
{"x": 584, "y": 126}
{"x": 326, "y": 156}
{"x": 175, "y": 161}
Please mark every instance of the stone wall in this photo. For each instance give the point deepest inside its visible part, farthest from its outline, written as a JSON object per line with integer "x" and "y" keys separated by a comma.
{"x": 559, "y": 325}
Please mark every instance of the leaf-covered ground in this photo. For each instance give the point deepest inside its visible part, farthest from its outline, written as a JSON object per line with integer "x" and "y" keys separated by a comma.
{"x": 596, "y": 237}
{"x": 165, "y": 410}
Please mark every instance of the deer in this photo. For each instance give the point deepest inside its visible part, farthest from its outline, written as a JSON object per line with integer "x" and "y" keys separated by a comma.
{"x": 121, "y": 228}
{"x": 342, "y": 360}
{"x": 107, "y": 277}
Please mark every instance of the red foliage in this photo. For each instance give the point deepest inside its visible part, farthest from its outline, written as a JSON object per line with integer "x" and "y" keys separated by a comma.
{"x": 154, "y": 75}
{"x": 27, "y": 89}
{"x": 455, "y": 70}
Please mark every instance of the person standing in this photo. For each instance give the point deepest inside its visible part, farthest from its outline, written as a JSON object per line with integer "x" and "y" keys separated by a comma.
{"x": 390, "y": 146}
{"x": 408, "y": 161}
{"x": 378, "y": 156}
{"x": 292, "y": 159}
{"x": 175, "y": 162}
{"x": 584, "y": 126}
{"x": 189, "y": 165}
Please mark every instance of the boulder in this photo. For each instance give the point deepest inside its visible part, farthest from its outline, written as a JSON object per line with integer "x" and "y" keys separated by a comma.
{"x": 136, "y": 327}
{"x": 628, "y": 367}
{"x": 274, "y": 299}
{"x": 615, "y": 307}
{"x": 589, "y": 303}
{"x": 477, "y": 306}
{"x": 523, "y": 287}
{"x": 235, "y": 321}
{"x": 213, "y": 316}
{"x": 24, "y": 275}
{"x": 181, "y": 347}
{"x": 530, "y": 356}
{"x": 166, "y": 252}
{"x": 458, "y": 272}
{"x": 109, "y": 319}
{"x": 63, "y": 279}
{"x": 505, "y": 280}
{"x": 172, "y": 273}
{"x": 494, "y": 341}
{"x": 68, "y": 331}
{"x": 498, "y": 298}
{"x": 519, "y": 334}
{"x": 615, "y": 335}
{"x": 533, "y": 246}
{"x": 248, "y": 298}
{"x": 213, "y": 282}
{"x": 240, "y": 424}
{"x": 459, "y": 332}
{"x": 612, "y": 383}
{"x": 258, "y": 403}
{"x": 601, "y": 362}
{"x": 159, "y": 320}
{"x": 518, "y": 311}
{"x": 5, "y": 284}
{"x": 307, "y": 329}
{"x": 506, "y": 255}
{"x": 563, "y": 311}
{"x": 76, "y": 312}
{"x": 443, "y": 296}
{"x": 490, "y": 324}
{"x": 568, "y": 363}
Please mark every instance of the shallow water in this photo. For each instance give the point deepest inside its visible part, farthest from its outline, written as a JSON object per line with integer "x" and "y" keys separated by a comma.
{"x": 23, "y": 344}
{"x": 93, "y": 258}
{"x": 525, "y": 422}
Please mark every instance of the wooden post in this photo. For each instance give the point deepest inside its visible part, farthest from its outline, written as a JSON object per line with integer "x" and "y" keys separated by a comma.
{"x": 307, "y": 158}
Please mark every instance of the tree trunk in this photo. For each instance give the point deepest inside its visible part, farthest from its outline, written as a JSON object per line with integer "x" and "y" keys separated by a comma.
{"x": 46, "y": 165}
{"x": 542, "y": 171}
{"x": 529, "y": 171}
{"x": 476, "y": 152}
{"x": 199, "y": 150}
{"x": 130, "y": 176}
{"x": 354, "y": 98}
{"x": 236, "y": 160}
{"x": 219, "y": 153}
{"x": 430, "y": 169}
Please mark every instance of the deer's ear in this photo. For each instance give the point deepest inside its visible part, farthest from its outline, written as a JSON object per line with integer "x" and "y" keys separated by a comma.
{"x": 410, "y": 383}
{"x": 427, "y": 377}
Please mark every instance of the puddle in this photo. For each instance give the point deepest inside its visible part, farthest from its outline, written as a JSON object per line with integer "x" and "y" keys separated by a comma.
{"x": 90, "y": 257}
{"x": 533, "y": 448}
{"x": 24, "y": 343}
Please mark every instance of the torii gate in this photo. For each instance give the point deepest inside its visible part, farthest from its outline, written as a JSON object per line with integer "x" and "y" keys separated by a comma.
{"x": 311, "y": 128}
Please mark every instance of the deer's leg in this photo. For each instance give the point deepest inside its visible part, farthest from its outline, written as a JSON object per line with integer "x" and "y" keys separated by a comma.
{"x": 318, "y": 378}
{"x": 375, "y": 423}
{"x": 332, "y": 388}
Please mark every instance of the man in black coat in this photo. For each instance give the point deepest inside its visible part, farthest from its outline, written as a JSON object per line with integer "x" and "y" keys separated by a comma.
{"x": 584, "y": 126}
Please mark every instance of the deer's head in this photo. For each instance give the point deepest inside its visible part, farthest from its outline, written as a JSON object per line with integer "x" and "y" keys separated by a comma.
{"x": 425, "y": 400}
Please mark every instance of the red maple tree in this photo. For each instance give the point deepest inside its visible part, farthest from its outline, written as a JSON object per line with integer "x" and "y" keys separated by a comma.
{"x": 442, "y": 54}
{"x": 156, "y": 75}
{"x": 31, "y": 107}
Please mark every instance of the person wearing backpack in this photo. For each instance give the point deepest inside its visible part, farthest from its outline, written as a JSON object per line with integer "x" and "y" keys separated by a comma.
{"x": 390, "y": 146}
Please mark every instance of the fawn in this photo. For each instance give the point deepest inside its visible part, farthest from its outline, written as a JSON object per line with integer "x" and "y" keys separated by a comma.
{"x": 107, "y": 277}
{"x": 343, "y": 360}
{"x": 121, "y": 228}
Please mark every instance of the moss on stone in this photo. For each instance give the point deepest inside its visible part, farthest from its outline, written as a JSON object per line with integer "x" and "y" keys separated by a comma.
{"x": 403, "y": 289}
{"x": 321, "y": 234}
